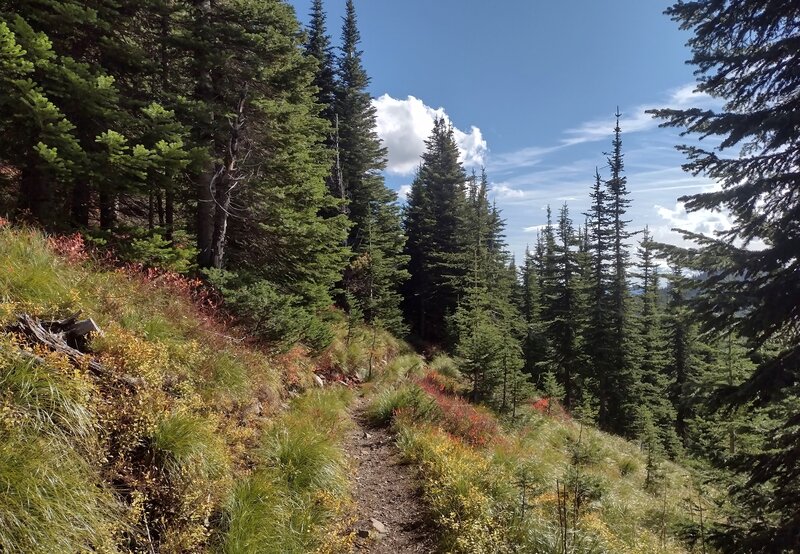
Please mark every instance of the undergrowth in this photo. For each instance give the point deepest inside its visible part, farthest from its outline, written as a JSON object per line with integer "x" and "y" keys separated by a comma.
{"x": 185, "y": 442}
{"x": 547, "y": 484}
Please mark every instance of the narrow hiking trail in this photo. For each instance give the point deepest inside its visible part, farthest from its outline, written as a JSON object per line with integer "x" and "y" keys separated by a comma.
{"x": 390, "y": 515}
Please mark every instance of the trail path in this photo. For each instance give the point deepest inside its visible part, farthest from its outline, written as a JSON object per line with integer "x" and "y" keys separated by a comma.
{"x": 389, "y": 507}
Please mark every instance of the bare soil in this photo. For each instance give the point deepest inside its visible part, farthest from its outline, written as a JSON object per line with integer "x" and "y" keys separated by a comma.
{"x": 385, "y": 490}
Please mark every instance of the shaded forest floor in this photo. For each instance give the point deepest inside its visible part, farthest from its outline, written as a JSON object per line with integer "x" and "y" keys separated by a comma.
{"x": 389, "y": 509}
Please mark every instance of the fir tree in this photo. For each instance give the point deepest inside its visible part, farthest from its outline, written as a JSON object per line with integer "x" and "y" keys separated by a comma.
{"x": 437, "y": 244}
{"x": 620, "y": 364}
{"x": 318, "y": 46}
{"x": 534, "y": 342}
{"x": 562, "y": 309}
{"x": 372, "y": 207}
{"x": 745, "y": 53}
{"x": 598, "y": 337}
{"x": 652, "y": 349}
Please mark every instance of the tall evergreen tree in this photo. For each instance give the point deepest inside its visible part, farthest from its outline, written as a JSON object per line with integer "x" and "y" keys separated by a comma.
{"x": 534, "y": 342}
{"x": 318, "y": 46}
{"x": 562, "y": 309}
{"x": 598, "y": 337}
{"x": 651, "y": 349}
{"x": 620, "y": 363}
{"x": 438, "y": 247}
{"x": 746, "y": 54}
{"x": 372, "y": 207}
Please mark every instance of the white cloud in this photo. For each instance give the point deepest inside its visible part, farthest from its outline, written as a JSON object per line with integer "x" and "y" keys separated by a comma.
{"x": 403, "y": 192}
{"x": 403, "y": 126}
{"x": 502, "y": 190}
{"x": 636, "y": 119}
{"x": 534, "y": 228}
{"x": 525, "y": 157}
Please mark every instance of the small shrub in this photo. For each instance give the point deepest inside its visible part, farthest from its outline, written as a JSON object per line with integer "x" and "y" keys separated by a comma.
{"x": 152, "y": 250}
{"x": 408, "y": 400}
{"x": 586, "y": 452}
{"x": 276, "y": 317}
{"x": 445, "y": 365}
{"x": 628, "y": 466}
{"x": 587, "y": 487}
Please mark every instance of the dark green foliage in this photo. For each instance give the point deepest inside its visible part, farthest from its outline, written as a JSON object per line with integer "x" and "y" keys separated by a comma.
{"x": 377, "y": 268}
{"x": 273, "y": 315}
{"x": 652, "y": 350}
{"x": 437, "y": 243}
{"x": 746, "y": 54}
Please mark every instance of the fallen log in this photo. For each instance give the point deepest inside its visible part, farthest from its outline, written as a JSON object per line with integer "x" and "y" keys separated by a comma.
{"x": 65, "y": 336}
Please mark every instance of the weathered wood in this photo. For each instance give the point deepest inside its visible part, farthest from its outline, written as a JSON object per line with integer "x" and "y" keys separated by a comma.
{"x": 54, "y": 336}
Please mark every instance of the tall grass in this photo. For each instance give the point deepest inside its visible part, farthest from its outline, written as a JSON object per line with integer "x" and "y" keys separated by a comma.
{"x": 499, "y": 493}
{"x": 297, "y": 496}
{"x": 176, "y": 457}
{"x": 52, "y": 498}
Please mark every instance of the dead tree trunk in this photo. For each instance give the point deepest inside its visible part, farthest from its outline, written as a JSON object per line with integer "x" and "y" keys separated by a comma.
{"x": 226, "y": 180}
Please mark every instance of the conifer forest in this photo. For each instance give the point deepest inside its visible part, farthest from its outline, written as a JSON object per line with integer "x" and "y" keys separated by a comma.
{"x": 212, "y": 303}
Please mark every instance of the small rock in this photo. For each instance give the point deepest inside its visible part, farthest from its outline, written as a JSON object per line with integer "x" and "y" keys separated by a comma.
{"x": 367, "y": 435}
{"x": 318, "y": 380}
{"x": 378, "y": 526}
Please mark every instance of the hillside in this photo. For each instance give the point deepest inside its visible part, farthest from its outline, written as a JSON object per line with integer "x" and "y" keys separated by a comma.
{"x": 193, "y": 438}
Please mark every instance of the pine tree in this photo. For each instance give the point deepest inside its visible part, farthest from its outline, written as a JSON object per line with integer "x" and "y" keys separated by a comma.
{"x": 598, "y": 338}
{"x": 746, "y": 54}
{"x": 622, "y": 371}
{"x": 437, "y": 244}
{"x": 318, "y": 46}
{"x": 534, "y": 342}
{"x": 562, "y": 309}
{"x": 652, "y": 350}
{"x": 372, "y": 207}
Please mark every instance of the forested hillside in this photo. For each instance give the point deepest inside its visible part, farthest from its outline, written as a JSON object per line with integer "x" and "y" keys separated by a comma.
{"x": 222, "y": 151}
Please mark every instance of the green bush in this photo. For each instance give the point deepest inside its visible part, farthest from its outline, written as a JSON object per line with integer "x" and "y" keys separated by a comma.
{"x": 153, "y": 250}
{"x": 446, "y": 366}
{"x": 385, "y": 404}
{"x": 276, "y": 317}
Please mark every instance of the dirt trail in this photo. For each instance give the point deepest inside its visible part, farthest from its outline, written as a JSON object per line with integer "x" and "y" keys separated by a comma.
{"x": 385, "y": 491}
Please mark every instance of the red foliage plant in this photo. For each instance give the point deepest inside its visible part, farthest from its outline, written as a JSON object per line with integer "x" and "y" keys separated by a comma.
{"x": 459, "y": 417}
{"x": 550, "y": 407}
{"x": 70, "y": 247}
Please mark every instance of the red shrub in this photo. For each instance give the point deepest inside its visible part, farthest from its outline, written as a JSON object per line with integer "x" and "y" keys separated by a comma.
{"x": 460, "y": 418}
{"x": 70, "y": 247}
{"x": 551, "y": 407}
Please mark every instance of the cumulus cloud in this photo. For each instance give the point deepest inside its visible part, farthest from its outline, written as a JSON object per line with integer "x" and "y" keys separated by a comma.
{"x": 404, "y": 124}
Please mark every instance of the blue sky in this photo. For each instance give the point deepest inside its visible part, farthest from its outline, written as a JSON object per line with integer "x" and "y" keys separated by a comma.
{"x": 531, "y": 88}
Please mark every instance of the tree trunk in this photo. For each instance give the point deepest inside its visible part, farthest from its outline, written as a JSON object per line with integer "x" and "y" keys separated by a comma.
{"x": 205, "y": 218}
{"x": 225, "y": 181}
{"x": 34, "y": 195}
{"x": 169, "y": 213}
{"x": 204, "y": 91}
{"x": 108, "y": 209}
{"x": 79, "y": 210}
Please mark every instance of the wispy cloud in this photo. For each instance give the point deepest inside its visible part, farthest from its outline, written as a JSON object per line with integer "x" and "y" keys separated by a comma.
{"x": 534, "y": 228}
{"x": 633, "y": 120}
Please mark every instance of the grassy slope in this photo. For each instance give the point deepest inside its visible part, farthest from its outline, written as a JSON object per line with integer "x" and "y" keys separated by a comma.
{"x": 208, "y": 453}
{"x": 198, "y": 456}
{"x": 476, "y": 472}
